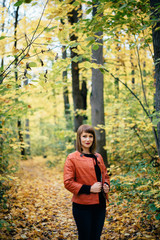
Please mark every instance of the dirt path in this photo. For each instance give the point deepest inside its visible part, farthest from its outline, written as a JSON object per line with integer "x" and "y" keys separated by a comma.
{"x": 40, "y": 209}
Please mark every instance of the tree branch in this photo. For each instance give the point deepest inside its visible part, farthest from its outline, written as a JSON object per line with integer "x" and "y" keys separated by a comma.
{"x": 141, "y": 75}
{"x": 117, "y": 79}
{"x": 27, "y": 47}
{"x": 144, "y": 109}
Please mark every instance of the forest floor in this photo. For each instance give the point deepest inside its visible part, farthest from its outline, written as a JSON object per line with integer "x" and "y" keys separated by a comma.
{"x": 40, "y": 209}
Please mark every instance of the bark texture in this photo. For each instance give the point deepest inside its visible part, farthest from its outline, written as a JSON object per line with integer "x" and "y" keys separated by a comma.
{"x": 19, "y": 124}
{"x": 156, "y": 45}
{"x": 65, "y": 89}
{"x": 76, "y": 93}
{"x": 97, "y": 98}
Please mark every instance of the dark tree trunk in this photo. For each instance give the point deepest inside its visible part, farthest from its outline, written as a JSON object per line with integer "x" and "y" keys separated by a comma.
{"x": 97, "y": 99}
{"x": 28, "y": 148}
{"x": 65, "y": 91}
{"x": 76, "y": 92}
{"x": 67, "y": 111}
{"x": 116, "y": 81}
{"x": 84, "y": 97}
{"x": 156, "y": 45}
{"x": 20, "y": 135}
{"x": 132, "y": 71}
{"x": 15, "y": 39}
{"x": 20, "y": 138}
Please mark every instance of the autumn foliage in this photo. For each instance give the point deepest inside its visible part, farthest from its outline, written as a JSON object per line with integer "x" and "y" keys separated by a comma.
{"x": 39, "y": 207}
{"x": 37, "y": 113}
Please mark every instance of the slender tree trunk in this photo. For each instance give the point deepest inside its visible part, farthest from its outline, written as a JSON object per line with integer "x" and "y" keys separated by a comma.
{"x": 15, "y": 39}
{"x": 28, "y": 148}
{"x": 65, "y": 92}
{"x": 115, "y": 127}
{"x": 67, "y": 111}
{"x": 2, "y": 60}
{"x": 97, "y": 98}
{"x": 76, "y": 92}
{"x": 132, "y": 71}
{"x": 19, "y": 125}
{"x": 84, "y": 97}
{"x": 133, "y": 66}
{"x": 156, "y": 45}
{"x": 1, "y": 81}
{"x": 116, "y": 82}
{"x": 27, "y": 135}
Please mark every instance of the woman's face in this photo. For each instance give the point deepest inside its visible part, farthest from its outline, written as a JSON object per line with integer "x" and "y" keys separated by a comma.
{"x": 86, "y": 141}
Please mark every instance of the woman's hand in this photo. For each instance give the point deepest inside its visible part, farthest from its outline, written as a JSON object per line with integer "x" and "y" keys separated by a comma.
{"x": 105, "y": 188}
{"x": 96, "y": 187}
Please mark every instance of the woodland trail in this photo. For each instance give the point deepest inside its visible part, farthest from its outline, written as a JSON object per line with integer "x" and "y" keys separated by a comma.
{"x": 40, "y": 209}
{"x": 40, "y": 206}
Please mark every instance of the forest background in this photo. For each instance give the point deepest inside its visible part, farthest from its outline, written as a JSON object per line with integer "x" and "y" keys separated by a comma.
{"x": 64, "y": 63}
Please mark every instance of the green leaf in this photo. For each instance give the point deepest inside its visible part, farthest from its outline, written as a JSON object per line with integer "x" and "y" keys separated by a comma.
{"x": 75, "y": 44}
{"x": 88, "y": 11}
{"x": 123, "y": 6}
{"x": 155, "y": 121}
{"x": 152, "y": 207}
{"x": 27, "y": 1}
{"x": 95, "y": 47}
{"x": 33, "y": 4}
{"x": 90, "y": 39}
{"x": 76, "y": 3}
{"x": 50, "y": 29}
{"x": 158, "y": 216}
{"x": 17, "y": 4}
{"x": 2, "y": 37}
{"x": 77, "y": 58}
{"x": 33, "y": 64}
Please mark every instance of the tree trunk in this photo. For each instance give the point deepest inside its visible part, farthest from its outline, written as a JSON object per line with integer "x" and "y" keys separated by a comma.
{"x": 1, "y": 81}
{"x": 20, "y": 135}
{"x": 2, "y": 61}
{"x": 27, "y": 135}
{"x": 19, "y": 125}
{"x": 97, "y": 99}
{"x": 156, "y": 45}
{"x": 15, "y": 39}
{"x": 116, "y": 82}
{"x": 28, "y": 148}
{"x": 76, "y": 92}
{"x": 84, "y": 97}
{"x": 65, "y": 92}
{"x": 67, "y": 111}
{"x": 132, "y": 71}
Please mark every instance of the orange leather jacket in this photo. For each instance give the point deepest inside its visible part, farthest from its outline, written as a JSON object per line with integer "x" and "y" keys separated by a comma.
{"x": 79, "y": 170}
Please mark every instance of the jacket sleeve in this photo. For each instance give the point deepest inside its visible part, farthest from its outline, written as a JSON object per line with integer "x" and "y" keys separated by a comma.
{"x": 70, "y": 182}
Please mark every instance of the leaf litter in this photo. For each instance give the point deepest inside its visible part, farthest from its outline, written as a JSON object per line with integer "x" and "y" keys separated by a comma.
{"x": 40, "y": 208}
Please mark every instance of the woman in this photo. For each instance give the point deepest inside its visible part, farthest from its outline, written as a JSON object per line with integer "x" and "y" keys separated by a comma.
{"x": 86, "y": 177}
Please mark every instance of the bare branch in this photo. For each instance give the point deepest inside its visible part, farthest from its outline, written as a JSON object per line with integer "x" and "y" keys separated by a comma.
{"x": 27, "y": 47}
{"x": 143, "y": 107}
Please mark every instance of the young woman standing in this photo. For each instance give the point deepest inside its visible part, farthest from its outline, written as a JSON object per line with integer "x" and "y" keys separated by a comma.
{"x": 85, "y": 175}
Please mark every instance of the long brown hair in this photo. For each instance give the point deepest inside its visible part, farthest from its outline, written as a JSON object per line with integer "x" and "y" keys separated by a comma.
{"x": 88, "y": 129}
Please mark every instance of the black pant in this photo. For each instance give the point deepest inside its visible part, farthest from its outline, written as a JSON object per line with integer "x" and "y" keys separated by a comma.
{"x": 89, "y": 220}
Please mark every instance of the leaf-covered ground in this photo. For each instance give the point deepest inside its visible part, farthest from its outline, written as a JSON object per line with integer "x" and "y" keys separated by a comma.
{"x": 40, "y": 208}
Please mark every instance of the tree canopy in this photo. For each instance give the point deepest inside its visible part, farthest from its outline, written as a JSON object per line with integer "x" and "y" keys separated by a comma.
{"x": 51, "y": 81}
